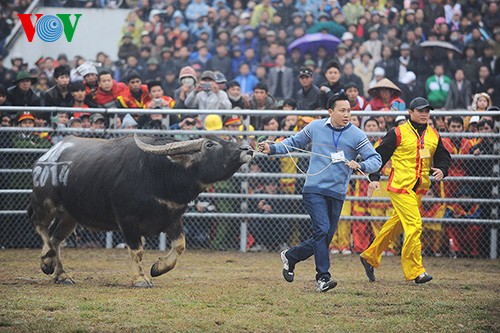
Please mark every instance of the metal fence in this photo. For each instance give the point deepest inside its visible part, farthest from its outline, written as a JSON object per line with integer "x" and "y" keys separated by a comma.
{"x": 260, "y": 207}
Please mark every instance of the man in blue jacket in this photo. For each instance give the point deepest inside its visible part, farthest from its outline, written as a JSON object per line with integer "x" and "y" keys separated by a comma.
{"x": 335, "y": 145}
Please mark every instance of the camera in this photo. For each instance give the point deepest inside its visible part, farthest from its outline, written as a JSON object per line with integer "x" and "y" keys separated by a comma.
{"x": 157, "y": 102}
{"x": 206, "y": 86}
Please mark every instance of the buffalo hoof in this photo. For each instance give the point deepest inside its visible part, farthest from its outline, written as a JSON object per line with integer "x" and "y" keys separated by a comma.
{"x": 64, "y": 281}
{"x": 155, "y": 271}
{"x": 63, "y": 278}
{"x": 47, "y": 269}
{"x": 143, "y": 284}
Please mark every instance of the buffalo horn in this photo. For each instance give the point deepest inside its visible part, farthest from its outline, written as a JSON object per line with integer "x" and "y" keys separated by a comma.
{"x": 174, "y": 148}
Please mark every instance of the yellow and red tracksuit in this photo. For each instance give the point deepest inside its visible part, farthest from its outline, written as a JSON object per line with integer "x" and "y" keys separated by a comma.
{"x": 127, "y": 99}
{"x": 382, "y": 208}
{"x": 342, "y": 238}
{"x": 412, "y": 149}
{"x": 362, "y": 232}
{"x": 432, "y": 236}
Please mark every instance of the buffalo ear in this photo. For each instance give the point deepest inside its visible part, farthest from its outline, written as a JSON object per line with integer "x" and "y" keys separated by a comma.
{"x": 185, "y": 160}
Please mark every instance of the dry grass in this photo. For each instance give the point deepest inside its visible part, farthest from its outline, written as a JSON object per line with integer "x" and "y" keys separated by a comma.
{"x": 236, "y": 292}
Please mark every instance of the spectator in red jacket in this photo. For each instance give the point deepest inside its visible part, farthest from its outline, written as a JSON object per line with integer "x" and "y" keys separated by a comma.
{"x": 108, "y": 90}
{"x": 136, "y": 96}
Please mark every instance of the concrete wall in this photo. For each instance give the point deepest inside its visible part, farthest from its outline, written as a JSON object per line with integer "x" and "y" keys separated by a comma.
{"x": 97, "y": 30}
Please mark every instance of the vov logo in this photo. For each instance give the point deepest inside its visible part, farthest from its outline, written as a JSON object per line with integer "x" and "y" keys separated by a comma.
{"x": 49, "y": 28}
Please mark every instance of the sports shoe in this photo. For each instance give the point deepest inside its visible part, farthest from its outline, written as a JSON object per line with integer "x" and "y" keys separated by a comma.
{"x": 287, "y": 273}
{"x": 369, "y": 271}
{"x": 423, "y": 278}
{"x": 346, "y": 252}
{"x": 324, "y": 284}
{"x": 334, "y": 251}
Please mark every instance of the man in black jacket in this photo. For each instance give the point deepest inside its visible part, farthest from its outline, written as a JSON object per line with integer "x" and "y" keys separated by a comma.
{"x": 22, "y": 94}
{"x": 308, "y": 96}
{"x": 59, "y": 95}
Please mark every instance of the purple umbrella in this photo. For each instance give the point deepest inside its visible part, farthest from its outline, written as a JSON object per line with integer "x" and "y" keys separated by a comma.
{"x": 311, "y": 43}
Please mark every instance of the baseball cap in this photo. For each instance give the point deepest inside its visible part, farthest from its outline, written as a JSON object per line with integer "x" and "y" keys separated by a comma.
{"x": 208, "y": 75}
{"x": 95, "y": 117}
{"x": 245, "y": 15}
{"x": 305, "y": 71}
{"x": 74, "y": 120}
{"x": 309, "y": 62}
{"x": 25, "y": 115}
{"x": 347, "y": 35}
{"x": 233, "y": 120}
{"x": 399, "y": 118}
{"x": 220, "y": 78}
{"x": 474, "y": 119}
{"x": 420, "y": 103}
{"x": 379, "y": 71}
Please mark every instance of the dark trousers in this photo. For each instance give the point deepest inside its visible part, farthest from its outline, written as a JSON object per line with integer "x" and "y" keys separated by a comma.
{"x": 325, "y": 213}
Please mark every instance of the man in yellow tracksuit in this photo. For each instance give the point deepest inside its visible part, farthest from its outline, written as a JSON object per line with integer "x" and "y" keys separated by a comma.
{"x": 415, "y": 151}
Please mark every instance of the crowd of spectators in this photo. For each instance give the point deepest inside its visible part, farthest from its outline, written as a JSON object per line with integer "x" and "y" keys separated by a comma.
{"x": 222, "y": 55}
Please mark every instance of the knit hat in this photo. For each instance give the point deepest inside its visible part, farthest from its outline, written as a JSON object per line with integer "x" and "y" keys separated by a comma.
{"x": 188, "y": 71}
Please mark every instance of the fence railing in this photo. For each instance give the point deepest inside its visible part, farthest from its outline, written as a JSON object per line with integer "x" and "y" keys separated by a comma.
{"x": 244, "y": 221}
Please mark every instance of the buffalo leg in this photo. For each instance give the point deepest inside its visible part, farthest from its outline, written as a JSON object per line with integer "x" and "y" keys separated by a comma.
{"x": 140, "y": 280}
{"x": 167, "y": 263}
{"x": 58, "y": 234}
{"x": 48, "y": 256}
{"x": 136, "y": 251}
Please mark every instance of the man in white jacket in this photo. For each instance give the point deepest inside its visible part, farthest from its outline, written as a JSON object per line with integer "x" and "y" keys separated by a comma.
{"x": 207, "y": 95}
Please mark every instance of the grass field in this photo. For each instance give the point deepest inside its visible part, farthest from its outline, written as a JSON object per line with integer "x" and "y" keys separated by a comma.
{"x": 237, "y": 292}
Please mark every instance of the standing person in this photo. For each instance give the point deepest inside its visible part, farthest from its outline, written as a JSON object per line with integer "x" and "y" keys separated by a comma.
{"x": 332, "y": 84}
{"x": 324, "y": 194}
{"x": 308, "y": 96}
{"x": 437, "y": 87}
{"x": 280, "y": 79}
{"x": 415, "y": 151}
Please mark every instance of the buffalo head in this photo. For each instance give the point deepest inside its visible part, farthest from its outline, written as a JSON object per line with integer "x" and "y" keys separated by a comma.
{"x": 212, "y": 158}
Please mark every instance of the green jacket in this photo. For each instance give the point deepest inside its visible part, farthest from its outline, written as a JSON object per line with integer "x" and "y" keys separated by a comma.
{"x": 437, "y": 90}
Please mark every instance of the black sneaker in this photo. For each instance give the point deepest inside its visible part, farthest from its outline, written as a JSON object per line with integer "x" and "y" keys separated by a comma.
{"x": 287, "y": 272}
{"x": 370, "y": 272}
{"x": 324, "y": 284}
{"x": 423, "y": 278}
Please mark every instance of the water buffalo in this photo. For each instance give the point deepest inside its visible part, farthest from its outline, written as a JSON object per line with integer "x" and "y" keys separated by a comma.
{"x": 138, "y": 186}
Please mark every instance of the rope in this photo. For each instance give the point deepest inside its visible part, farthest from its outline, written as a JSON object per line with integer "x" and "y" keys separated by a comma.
{"x": 321, "y": 155}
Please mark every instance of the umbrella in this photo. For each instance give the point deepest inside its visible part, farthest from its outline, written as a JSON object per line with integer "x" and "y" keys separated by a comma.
{"x": 440, "y": 44}
{"x": 311, "y": 43}
{"x": 332, "y": 27}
